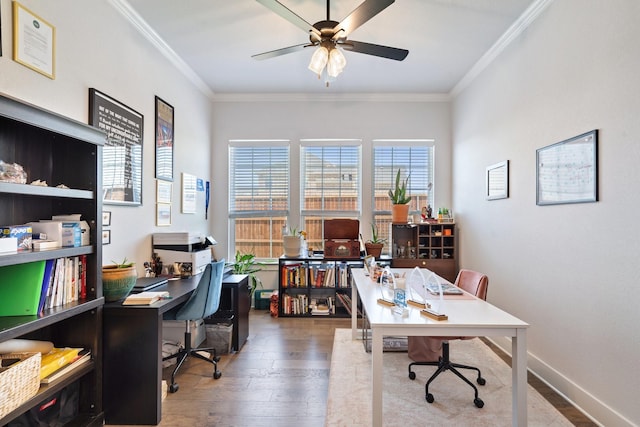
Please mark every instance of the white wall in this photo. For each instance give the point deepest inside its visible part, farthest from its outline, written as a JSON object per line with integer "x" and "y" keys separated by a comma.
{"x": 97, "y": 48}
{"x": 294, "y": 118}
{"x": 568, "y": 270}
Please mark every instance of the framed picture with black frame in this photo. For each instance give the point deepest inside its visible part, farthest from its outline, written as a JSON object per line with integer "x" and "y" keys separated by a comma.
{"x": 122, "y": 153}
{"x": 164, "y": 140}
{"x": 567, "y": 171}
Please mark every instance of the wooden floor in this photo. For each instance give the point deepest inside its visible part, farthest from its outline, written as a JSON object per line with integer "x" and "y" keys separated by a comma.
{"x": 279, "y": 378}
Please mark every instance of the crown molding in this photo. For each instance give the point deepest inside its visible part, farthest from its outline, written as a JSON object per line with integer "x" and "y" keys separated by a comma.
{"x": 527, "y": 17}
{"x": 125, "y": 9}
{"x": 344, "y": 97}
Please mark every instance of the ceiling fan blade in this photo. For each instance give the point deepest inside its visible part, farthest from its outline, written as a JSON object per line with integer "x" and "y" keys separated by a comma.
{"x": 279, "y": 52}
{"x": 376, "y": 50}
{"x": 361, "y": 14}
{"x": 289, "y": 15}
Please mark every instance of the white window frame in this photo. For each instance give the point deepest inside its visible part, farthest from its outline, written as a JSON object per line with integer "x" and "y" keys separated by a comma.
{"x": 255, "y": 213}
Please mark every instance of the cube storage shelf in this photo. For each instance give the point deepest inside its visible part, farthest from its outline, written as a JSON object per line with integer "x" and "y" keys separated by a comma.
{"x": 425, "y": 245}
{"x": 315, "y": 286}
{"x": 57, "y": 150}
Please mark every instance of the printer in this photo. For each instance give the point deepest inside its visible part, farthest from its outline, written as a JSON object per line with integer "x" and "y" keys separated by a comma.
{"x": 189, "y": 252}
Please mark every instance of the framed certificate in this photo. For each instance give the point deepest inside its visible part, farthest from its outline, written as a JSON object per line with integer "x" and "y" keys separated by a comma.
{"x": 34, "y": 41}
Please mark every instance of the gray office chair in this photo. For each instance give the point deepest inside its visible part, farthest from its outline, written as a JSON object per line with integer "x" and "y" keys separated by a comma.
{"x": 424, "y": 349}
{"x": 204, "y": 302}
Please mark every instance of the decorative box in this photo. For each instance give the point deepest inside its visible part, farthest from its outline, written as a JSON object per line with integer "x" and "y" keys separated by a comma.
{"x": 341, "y": 238}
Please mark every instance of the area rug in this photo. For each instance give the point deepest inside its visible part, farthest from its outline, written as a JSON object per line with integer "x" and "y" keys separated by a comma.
{"x": 349, "y": 400}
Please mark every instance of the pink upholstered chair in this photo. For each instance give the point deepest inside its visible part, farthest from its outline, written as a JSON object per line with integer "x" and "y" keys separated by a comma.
{"x": 434, "y": 351}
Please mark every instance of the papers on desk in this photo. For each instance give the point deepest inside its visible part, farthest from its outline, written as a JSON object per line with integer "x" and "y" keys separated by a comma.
{"x": 146, "y": 298}
{"x": 447, "y": 289}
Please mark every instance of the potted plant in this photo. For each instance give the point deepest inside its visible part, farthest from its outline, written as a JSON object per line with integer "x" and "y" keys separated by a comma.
{"x": 374, "y": 245}
{"x": 118, "y": 279}
{"x": 400, "y": 200}
{"x": 293, "y": 243}
{"x": 247, "y": 264}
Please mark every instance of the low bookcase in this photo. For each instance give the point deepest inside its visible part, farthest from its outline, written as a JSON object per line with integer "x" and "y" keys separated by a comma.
{"x": 315, "y": 286}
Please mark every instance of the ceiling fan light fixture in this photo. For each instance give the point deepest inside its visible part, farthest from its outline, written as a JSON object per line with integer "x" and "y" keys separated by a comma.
{"x": 336, "y": 62}
{"x": 319, "y": 60}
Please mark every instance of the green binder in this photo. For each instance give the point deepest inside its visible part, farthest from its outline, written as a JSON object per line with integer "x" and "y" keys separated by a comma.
{"x": 20, "y": 287}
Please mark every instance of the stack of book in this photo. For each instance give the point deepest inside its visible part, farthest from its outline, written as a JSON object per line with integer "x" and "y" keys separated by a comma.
{"x": 146, "y": 298}
{"x": 60, "y": 361}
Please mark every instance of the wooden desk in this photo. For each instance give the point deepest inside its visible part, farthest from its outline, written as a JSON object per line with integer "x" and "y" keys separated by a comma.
{"x": 467, "y": 317}
{"x": 132, "y": 364}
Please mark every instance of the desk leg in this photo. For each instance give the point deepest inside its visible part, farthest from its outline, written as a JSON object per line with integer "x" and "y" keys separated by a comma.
{"x": 376, "y": 376}
{"x": 354, "y": 312}
{"x": 519, "y": 377}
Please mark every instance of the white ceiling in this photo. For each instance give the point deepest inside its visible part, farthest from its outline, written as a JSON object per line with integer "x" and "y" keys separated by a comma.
{"x": 216, "y": 38}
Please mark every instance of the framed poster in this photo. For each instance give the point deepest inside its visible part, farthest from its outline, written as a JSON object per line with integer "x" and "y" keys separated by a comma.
{"x": 106, "y": 237}
{"x": 164, "y": 140}
{"x": 163, "y": 214}
{"x": 567, "y": 172}
{"x": 34, "y": 41}
{"x": 122, "y": 154}
{"x": 163, "y": 191}
{"x": 189, "y": 193}
{"x": 498, "y": 181}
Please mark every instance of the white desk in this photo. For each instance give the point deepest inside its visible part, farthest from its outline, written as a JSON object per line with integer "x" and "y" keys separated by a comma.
{"x": 467, "y": 317}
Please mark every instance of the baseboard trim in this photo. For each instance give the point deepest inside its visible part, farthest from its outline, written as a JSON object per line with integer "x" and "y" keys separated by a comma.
{"x": 596, "y": 410}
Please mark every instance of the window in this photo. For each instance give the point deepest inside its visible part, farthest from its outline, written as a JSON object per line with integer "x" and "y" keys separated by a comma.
{"x": 330, "y": 184}
{"x": 258, "y": 196}
{"x": 414, "y": 158}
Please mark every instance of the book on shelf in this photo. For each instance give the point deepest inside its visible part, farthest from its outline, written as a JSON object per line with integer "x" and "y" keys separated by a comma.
{"x": 80, "y": 359}
{"x": 57, "y": 358}
{"x": 41, "y": 245}
{"x": 146, "y": 298}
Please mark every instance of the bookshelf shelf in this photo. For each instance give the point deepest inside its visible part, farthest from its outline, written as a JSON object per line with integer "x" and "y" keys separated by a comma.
{"x": 425, "y": 245}
{"x": 305, "y": 283}
{"x": 57, "y": 150}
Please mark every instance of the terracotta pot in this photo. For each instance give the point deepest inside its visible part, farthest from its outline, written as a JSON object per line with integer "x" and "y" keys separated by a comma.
{"x": 117, "y": 282}
{"x": 400, "y": 214}
{"x": 374, "y": 249}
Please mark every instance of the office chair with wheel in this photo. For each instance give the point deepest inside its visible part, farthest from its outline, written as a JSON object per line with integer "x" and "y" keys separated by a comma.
{"x": 424, "y": 350}
{"x": 204, "y": 302}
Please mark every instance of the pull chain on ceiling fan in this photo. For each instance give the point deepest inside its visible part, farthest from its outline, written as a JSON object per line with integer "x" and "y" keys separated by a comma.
{"x": 330, "y": 37}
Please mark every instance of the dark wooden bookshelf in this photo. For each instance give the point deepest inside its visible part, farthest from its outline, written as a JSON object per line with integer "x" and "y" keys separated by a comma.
{"x": 57, "y": 150}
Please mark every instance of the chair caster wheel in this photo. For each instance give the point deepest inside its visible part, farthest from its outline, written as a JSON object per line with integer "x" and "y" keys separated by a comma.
{"x": 429, "y": 398}
{"x": 216, "y": 375}
{"x": 478, "y": 402}
{"x": 481, "y": 381}
{"x": 173, "y": 388}
{"x": 412, "y": 375}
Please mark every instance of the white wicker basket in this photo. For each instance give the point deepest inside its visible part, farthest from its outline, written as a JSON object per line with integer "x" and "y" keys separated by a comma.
{"x": 19, "y": 381}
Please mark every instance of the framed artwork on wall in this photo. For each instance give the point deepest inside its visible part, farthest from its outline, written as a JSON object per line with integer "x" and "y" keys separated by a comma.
{"x": 164, "y": 140}
{"x": 122, "y": 153}
{"x": 163, "y": 214}
{"x": 106, "y": 218}
{"x": 498, "y": 181}
{"x": 106, "y": 237}
{"x": 189, "y": 189}
{"x": 163, "y": 191}
{"x": 34, "y": 41}
{"x": 567, "y": 171}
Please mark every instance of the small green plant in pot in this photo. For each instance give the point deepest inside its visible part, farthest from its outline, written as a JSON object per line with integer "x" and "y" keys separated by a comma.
{"x": 400, "y": 200}
{"x": 247, "y": 264}
{"x": 118, "y": 279}
{"x": 374, "y": 245}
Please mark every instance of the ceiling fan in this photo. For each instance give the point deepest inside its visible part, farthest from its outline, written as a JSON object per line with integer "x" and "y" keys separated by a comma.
{"x": 330, "y": 35}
